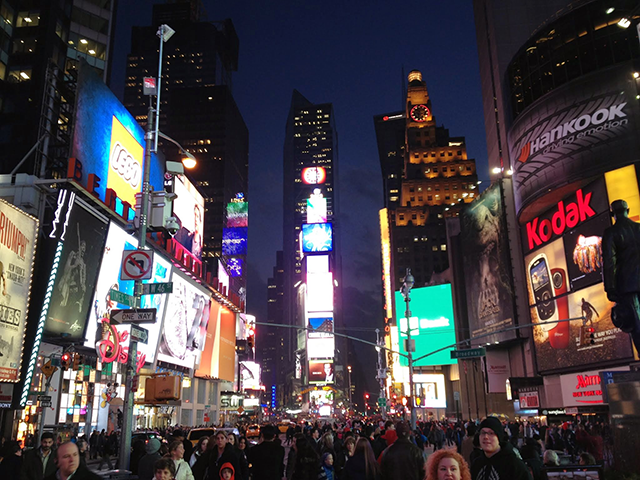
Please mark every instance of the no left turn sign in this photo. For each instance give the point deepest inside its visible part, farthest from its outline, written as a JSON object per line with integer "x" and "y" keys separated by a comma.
{"x": 136, "y": 265}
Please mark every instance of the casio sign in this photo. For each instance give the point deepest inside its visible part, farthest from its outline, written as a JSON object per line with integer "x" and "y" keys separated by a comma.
{"x": 565, "y": 216}
{"x": 125, "y": 165}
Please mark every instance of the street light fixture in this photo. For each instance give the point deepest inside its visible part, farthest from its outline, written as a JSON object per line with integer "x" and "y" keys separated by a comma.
{"x": 188, "y": 160}
{"x": 405, "y": 290}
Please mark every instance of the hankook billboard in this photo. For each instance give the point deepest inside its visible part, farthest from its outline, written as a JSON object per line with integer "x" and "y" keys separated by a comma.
{"x": 580, "y": 130}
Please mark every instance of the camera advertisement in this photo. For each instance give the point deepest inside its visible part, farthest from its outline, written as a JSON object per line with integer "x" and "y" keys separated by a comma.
{"x": 564, "y": 280}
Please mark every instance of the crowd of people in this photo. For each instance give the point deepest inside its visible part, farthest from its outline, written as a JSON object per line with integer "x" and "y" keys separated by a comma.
{"x": 353, "y": 450}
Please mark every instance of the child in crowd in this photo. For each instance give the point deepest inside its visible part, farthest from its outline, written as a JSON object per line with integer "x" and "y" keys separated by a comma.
{"x": 227, "y": 472}
{"x": 164, "y": 469}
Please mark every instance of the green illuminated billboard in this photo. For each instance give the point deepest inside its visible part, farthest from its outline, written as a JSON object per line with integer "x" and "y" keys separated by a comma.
{"x": 432, "y": 325}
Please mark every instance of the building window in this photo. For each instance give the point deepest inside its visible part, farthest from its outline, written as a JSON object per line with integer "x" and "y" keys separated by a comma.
{"x": 443, "y": 247}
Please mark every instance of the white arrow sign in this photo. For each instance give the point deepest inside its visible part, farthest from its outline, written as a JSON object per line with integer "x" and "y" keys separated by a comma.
{"x": 140, "y": 315}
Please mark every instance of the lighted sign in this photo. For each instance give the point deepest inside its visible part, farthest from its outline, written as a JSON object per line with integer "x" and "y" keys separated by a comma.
{"x": 319, "y": 292}
{"x": 385, "y": 243}
{"x": 234, "y": 241}
{"x": 218, "y": 356}
{"x": 317, "y": 263}
{"x": 125, "y": 163}
{"x": 250, "y": 373}
{"x": 18, "y": 238}
{"x": 430, "y": 390}
{"x": 321, "y": 372}
{"x": 583, "y": 388}
{"x": 235, "y": 266}
{"x": 432, "y": 326}
{"x": 316, "y": 207}
{"x": 321, "y": 326}
{"x": 188, "y": 208}
{"x": 314, "y": 175}
{"x": 185, "y": 324}
{"x": 238, "y": 214}
{"x": 317, "y": 237}
{"x": 321, "y": 347}
{"x": 223, "y": 276}
{"x": 109, "y": 278}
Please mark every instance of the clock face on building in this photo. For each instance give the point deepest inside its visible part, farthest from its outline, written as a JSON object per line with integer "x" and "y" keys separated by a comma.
{"x": 419, "y": 113}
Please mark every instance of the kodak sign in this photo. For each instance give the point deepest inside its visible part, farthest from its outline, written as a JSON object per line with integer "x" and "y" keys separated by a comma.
{"x": 585, "y": 203}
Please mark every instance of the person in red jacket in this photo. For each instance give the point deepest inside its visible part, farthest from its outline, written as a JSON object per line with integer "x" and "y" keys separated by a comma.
{"x": 390, "y": 434}
{"x": 227, "y": 472}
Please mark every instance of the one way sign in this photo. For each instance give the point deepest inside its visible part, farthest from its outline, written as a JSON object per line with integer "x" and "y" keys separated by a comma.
{"x": 139, "y": 315}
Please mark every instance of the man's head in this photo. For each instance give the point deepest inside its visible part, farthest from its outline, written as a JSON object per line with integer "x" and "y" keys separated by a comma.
{"x": 68, "y": 458}
{"x": 403, "y": 429}
{"x": 221, "y": 439}
{"x": 491, "y": 435}
{"x": 268, "y": 432}
{"x": 178, "y": 435}
{"x": 46, "y": 441}
{"x": 315, "y": 434}
{"x": 164, "y": 469}
{"x": 619, "y": 208}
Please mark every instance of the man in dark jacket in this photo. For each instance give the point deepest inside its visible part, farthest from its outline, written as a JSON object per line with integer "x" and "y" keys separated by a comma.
{"x": 498, "y": 460}
{"x": 621, "y": 268}
{"x": 402, "y": 460}
{"x": 39, "y": 462}
{"x": 68, "y": 462}
{"x": 152, "y": 455}
{"x": 267, "y": 458}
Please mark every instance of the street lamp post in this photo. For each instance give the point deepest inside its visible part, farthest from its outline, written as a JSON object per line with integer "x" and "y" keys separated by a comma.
{"x": 407, "y": 285}
{"x": 382, "y": 376}
{"x": 349, "y": 368}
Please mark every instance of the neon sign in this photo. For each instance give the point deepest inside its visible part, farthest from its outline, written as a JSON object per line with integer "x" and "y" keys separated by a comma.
{"x": 111, "y": 349}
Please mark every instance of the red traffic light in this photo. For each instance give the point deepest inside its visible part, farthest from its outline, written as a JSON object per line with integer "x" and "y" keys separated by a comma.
{"x": 366, "y": 395}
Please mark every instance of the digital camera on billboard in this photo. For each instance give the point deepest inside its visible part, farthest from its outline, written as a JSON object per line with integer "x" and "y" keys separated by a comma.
{"x": 540, "y": 278}
{"x": 559, "y": 334}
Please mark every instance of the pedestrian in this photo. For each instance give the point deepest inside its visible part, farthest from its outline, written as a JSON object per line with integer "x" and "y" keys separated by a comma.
{"x": 138, "y": 451}
{"x": 403, "y": 460}
{"x": 93, "y": 444}
{"x": 245, "y": 447}
{"x": 11, "y": 460}
{"x": 68, "y": 463}
{"x": 201, "y": 446}
{"x": 39, "y": 462}
{"x": 447, "y": 464}
{"x": 267, "y": 458}
{"x": 176, "y": 453}
{"x": 82, "y": 450}
{"x": 362, "y": 465}
{"x": 498, "y": 461}
{"x": 218, "y": 452}
{"x": 163, "y": 469}
{"x": 327, "y": 472}
{"x": 146, "y": 467}
{"x": 227, "y": 472}
{"x": 306, "y": 460}
{"x": 106, "y": 451}
{"x": 178, "y": 434}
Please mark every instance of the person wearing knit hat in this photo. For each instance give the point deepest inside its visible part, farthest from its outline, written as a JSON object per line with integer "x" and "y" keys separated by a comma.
{"x": 147, "y": 462}
{"x": 498, "y": 461}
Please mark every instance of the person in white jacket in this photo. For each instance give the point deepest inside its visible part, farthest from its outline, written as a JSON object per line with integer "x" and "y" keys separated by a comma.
{"x": 176, "y": 453}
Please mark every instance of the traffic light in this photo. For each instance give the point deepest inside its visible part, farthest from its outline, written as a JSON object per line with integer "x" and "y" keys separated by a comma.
{"x": 77, "y": 361}
{"x": 404, "y": 401}
{"x": 592, "y": 336}
{"x": 65, "y": 361}
{"x": 251, "y": 341}
{"x": 366, "y": 396}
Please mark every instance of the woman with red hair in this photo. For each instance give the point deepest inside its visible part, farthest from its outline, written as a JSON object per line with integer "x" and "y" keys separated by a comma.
{"x": 447, "y": 464}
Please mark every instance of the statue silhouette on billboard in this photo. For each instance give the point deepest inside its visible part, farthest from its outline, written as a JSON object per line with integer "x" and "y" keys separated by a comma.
{"x": 621, "y": 270}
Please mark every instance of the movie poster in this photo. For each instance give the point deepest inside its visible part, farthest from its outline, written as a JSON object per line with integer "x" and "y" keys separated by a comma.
{"x": 487, "y": 266}
{"x": 18, "y": 237}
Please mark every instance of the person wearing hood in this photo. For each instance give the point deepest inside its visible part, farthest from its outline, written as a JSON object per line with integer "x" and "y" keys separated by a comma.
{"x": 146, "y": 466}
{"x": 498, "y": 460}
{"x": 176, "y": 453}
{"x": 227, "y": 472}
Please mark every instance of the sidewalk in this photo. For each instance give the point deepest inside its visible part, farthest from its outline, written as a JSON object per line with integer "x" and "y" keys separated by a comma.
{"x": 109, "y": 473}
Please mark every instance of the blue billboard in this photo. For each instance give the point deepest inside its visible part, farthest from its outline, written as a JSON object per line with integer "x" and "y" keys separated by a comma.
{"x": 234, "y": 241}
{"x": 317, "y": 237}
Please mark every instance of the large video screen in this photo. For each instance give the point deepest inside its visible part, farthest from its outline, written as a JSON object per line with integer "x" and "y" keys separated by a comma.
{"x": 317, "y": 237}
{"x": 321, "y": 371}
{"x": 432, "y": 325}
{"x": 184, "y": 330}
{"x": 109, "y": 279}
{"x": 188, "y": 208}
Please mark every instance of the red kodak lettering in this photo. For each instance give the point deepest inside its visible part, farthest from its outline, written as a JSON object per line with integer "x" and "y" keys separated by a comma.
{"x": 532, "y": 235}
{"x": 558, "y": 221}
{"x": 583, "y": 205}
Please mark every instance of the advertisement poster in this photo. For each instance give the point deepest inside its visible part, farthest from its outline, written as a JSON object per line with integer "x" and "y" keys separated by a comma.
{"x": 84, "y": 239}
{"x": 321, "y": 371}
{"x": 109, "y": 278}
{"x": 432, "y": 325}
{"x": 18, "y": 238}
{"x": 188, "y": 208}
{"x": 250, "y": 372}
{"x": 317, "y": 237}
{"x": 320, "y": 327}
{"x": 185, "y": 324}
{"x": 321, "y": 347}
{"x": 487, "y": 266}
{"x": 234, "y": 241}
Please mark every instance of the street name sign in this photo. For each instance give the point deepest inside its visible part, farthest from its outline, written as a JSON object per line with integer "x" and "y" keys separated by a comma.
{"x": 134, "y": 315}
{"x": 156, "y": 288}
{"x": 469, "y": 353}
{"x": 123, "y": 298}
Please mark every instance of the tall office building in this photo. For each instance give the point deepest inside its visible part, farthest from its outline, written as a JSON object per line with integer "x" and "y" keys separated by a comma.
{"x": 427, "y": 176}
{"x": 41, "y": 43}
{"x": 199, "y": 112}
{"x": 311, "y": 250}
{"x": 270, "y": 343}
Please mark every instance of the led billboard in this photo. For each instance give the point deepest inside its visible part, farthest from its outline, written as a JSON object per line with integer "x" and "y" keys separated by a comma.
{"x": 317, "y": 263}
{"x": 188, "y": 208}
{"x": 237, "y": 214}
{"x": 319, "y": 296}
{"x": 487, "y": 266}
{"x": 432, "y": 325}
{"x": 321, "y": 371}
{"x": 218, "y": 356}
{"x": 185, "y": 323}
{"x": 319, "y": 327}
{"x": 430, "y": 390}
{"x": 317, "y": 237}
{"x": 109, "y": 278}
{"x": 324, "y": 347}
{"x": 109, "y": 144}
{"x": 84, "y": 238}
{"x": 234, "y": 241}
{"x": 250, "y": 372}
{"x": 314, "y": 175}
{"x": 235, "y": 266}
{"x": 18, "y": 238}
{"x": 316, "y": 207}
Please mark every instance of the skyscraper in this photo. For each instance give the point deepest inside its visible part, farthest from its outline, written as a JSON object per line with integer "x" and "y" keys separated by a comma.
{"x": 427, "y": 176}
{"x": 197, "y": 110}
{"x": 311, "y": 250}
{"x": 41, "y": 45}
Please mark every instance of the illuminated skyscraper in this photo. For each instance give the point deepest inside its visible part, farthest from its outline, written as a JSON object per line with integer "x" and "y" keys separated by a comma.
{"x": 312, "y": 266}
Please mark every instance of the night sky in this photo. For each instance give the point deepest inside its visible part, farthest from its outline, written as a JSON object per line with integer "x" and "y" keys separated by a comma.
{"x": 351, "y": 54}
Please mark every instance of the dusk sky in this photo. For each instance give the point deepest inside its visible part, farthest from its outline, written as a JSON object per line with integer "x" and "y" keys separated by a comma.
{"x": 351, "y": 54}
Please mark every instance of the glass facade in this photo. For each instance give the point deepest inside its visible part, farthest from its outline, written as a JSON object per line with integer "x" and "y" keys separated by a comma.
{"x": 582, "y": 41}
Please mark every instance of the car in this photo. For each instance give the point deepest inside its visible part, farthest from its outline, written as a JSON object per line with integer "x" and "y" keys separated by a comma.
{"x": 196, "y": 434}
{"x": 284, "y": 426}
{"x": 253, "y": 431}
{"x": 146, "y": 435}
